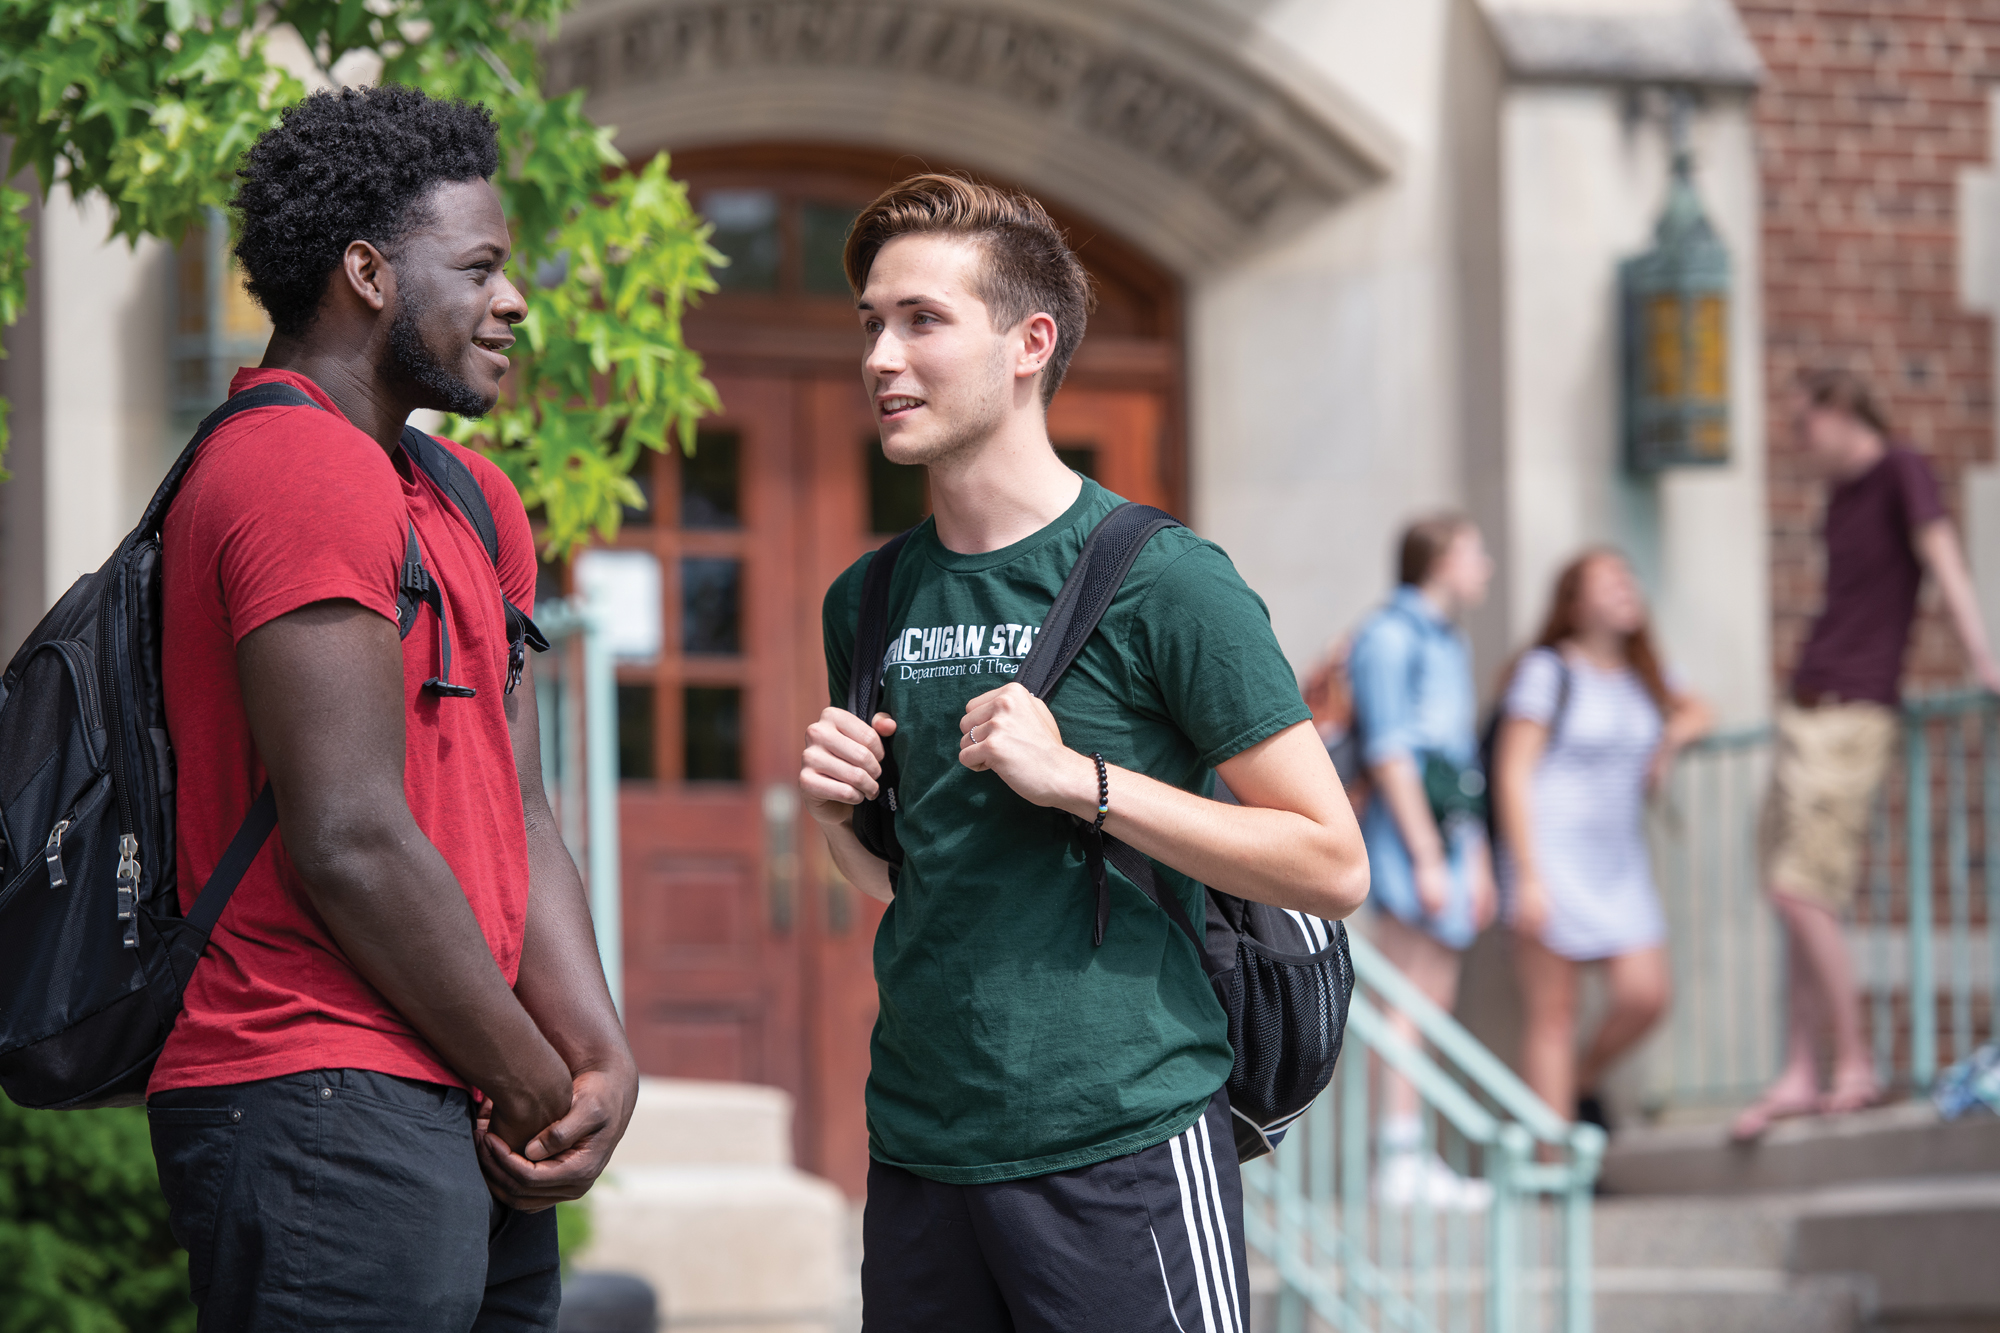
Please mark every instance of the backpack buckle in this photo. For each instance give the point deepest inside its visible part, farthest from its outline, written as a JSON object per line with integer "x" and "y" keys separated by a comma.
{"x": 517, "y": 662}
{"x": 52, "y": 853}
{"x": 128, "y": 888}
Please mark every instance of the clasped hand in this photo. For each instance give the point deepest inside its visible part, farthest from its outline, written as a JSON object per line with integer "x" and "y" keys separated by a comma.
{"x": 562, "y": 1161}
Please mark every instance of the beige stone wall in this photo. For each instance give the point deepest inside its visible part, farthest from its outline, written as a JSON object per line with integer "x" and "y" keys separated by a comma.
{"x": 95, "y": 439}
{"x": 1585, "y": 181}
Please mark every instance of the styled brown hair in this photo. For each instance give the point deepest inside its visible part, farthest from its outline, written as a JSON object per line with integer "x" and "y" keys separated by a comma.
{"x": 1423, "y": 543}
{"x": 1561, "y": 624}
{"x": 1028, "y": 270}
{"x": 1844, "y": 391}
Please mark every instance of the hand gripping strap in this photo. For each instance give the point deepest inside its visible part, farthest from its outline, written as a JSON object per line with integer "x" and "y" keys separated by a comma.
{"x": 875, "y": 820}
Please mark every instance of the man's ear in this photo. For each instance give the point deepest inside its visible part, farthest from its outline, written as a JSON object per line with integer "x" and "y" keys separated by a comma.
{"x": 1038, "y": 344}
{"x": 367, "y": 274}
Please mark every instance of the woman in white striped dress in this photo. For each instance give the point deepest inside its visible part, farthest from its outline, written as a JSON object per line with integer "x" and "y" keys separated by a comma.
{"x": 1589, "y": 726}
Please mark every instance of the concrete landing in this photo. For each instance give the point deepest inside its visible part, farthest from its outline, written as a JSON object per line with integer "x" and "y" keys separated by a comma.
{"x": 1893, "y": 1208}
{"x": 701, "y": 1199}
{"x": 1890, "y": 1142}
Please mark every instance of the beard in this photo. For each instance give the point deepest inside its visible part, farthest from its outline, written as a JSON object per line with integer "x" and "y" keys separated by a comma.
{"x": 412, "y": 360}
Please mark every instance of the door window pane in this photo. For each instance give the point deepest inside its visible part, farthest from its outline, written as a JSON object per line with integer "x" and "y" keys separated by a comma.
{"x": 1078, "y": 458}
{"x": 898, "y": 495}
{"x": 714, "y": 731}
{"x": 709, "y": 489}
{"x": 746, "y": 232}
{"x": 635, "y": 733}
{"x": 548, "y": 581}
{"x": 822, "y": 236}
{"x": 626, "y": 586}
{"x": 711, "y": 604}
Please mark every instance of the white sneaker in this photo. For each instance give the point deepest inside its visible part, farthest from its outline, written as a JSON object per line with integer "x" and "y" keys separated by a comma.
{"x": 1410, "y": 1179}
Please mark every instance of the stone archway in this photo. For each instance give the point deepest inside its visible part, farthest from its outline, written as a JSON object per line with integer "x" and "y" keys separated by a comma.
{"x": 1190, "y": 135}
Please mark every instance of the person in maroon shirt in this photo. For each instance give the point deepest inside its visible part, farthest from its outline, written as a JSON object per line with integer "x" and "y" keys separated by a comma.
{"x": 1885, "y": 527}
{"x": 398, "y": 1052}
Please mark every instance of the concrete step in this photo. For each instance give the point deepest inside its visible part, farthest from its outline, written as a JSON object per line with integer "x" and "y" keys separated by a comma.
{"x": 1917, "y": 1253}
{"x": 701, "y": 1199}
{"x": 1691, "y": 1233}
{"x": 1931, "y": 1246}
{"x": 1728, "y": 1300}
{"x": 753, "y": 1247}
{"x": 695, "y": 1122}
{"x": 1888, "y": 1142}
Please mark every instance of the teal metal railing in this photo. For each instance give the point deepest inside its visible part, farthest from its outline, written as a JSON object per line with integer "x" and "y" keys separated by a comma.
{"x": 1723, "y": 1036}
{"x": 1348, "y": 1257}
{"x": 576, "y": 698}
{"x": 1922, "y": 933}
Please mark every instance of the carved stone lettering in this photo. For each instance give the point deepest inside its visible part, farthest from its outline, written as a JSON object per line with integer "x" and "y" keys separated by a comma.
{"x": 1068, "y": 75}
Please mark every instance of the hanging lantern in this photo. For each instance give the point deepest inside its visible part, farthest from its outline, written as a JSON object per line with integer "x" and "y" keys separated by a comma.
{"x": 1675, "y": 300}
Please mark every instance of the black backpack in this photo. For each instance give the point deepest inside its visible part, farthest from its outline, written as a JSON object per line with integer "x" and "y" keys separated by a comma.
{"x": 1284, "y": 978}
{"x": 94, "y": 951}
{"x": 1489, "y": 740}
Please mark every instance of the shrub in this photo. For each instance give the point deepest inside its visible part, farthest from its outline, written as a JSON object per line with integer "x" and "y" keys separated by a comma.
{"x": 84, "y": 1245}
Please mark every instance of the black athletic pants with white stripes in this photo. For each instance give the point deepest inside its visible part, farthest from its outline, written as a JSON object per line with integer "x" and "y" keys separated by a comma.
{"x": 1151, "y": 1242}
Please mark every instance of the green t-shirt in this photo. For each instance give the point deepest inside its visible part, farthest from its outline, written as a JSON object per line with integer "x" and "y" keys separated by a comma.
{"x": 1007, "y": 1044}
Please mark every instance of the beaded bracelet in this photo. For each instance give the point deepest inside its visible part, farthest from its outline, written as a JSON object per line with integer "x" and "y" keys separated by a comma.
{"x": 1103, "y": 792}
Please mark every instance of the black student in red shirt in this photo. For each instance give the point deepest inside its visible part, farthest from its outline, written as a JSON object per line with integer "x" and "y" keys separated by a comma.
{"x": 399, "y": 1051}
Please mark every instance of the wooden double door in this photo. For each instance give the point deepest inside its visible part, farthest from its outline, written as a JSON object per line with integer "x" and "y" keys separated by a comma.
{"x": 747, "y": 956}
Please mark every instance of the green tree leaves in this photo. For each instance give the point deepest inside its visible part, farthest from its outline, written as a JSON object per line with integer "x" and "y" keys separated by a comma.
{"x": 151, "y": 102}
{"x": 84, "y": 1245}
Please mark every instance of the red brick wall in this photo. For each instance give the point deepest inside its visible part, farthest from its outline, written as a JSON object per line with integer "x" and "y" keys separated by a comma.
{"x": 1870, "y": 111}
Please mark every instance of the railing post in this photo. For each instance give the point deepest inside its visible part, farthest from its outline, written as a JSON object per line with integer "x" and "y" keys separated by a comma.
{"x": 600, "y": 723}
{"x": 1989, "y": 755}
{"x": 1503, "y": 1239}
{"x": 1586, "y": 1146}
{"x": 1917, "y": 843}
{"x": 1958, "y": 855}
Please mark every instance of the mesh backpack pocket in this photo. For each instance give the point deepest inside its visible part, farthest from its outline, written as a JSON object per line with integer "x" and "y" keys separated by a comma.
{"x": 1286, "y": 994}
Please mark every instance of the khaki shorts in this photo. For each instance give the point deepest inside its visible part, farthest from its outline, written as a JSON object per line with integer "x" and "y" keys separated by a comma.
{"x": 1828, "y": 763}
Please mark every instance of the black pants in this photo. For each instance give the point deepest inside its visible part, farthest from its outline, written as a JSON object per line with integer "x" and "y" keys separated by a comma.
{"x": 346, "y": 1199}
{"x": 1147, "y": 1243}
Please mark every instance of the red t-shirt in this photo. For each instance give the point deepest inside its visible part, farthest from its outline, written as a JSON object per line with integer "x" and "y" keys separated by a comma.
{"x": 1872, "y": 579}
{"x": 283, "y": 507}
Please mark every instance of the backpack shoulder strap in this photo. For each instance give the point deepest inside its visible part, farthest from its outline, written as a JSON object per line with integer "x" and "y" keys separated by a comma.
{"x": 1087, "y": 593}
{"x": 1135, "y": 866}
{"x": 875, "y": 820}
{"x": 261, "y": 395}
{"x": 1564, "y": 680}
{"x": 1080, "y": 604}
{"x": 455, "y": 479}
{"x": 871, "y": 630}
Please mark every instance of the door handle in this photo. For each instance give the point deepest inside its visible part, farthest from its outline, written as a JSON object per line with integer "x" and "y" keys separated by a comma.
{"x": 781, "y": 856}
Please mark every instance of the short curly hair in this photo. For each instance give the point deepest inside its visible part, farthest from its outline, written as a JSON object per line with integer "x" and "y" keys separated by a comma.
{"x": 344, "y": 166}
